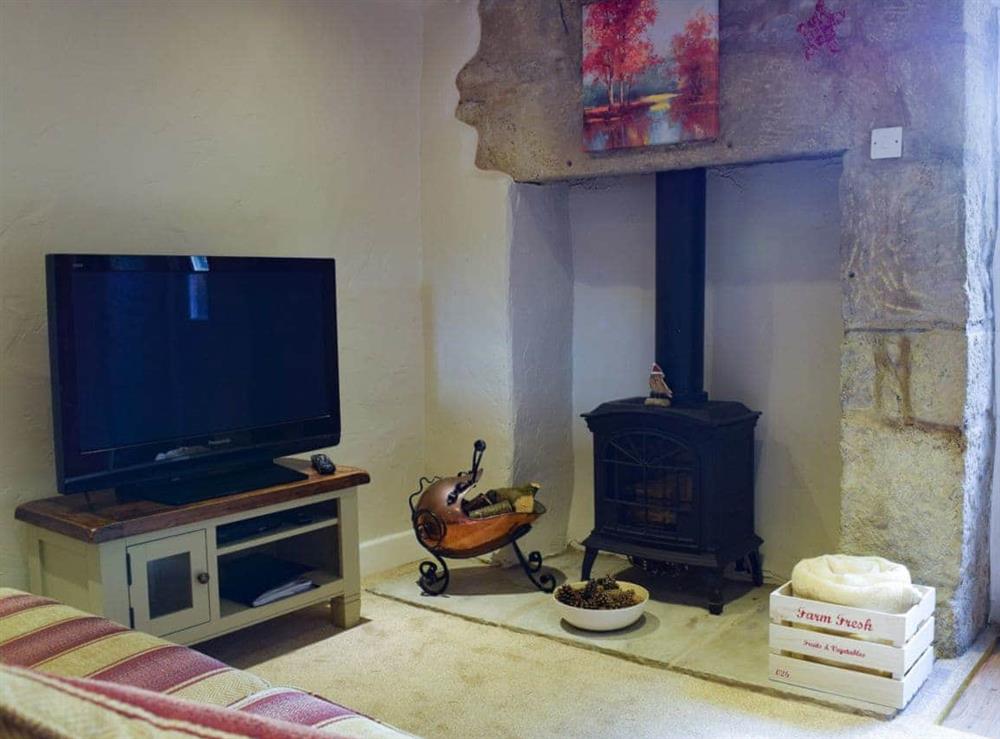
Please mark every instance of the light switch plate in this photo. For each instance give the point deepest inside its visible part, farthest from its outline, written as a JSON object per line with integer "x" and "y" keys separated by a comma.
{"x": 887, "y": 143}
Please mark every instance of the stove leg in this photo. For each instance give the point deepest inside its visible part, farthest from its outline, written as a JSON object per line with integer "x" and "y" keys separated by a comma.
{"x": 715, "y": 601}
{"x": 588, "y": 562}
{"x": 756, "y": 570}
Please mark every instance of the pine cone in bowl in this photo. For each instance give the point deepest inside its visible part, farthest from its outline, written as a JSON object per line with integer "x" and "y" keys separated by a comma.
{"x": 602, "y": 604}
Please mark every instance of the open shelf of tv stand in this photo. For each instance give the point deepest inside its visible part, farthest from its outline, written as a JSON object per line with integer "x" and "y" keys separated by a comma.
{"x": 159, "y": 568}
{"x": 284, "y": 532}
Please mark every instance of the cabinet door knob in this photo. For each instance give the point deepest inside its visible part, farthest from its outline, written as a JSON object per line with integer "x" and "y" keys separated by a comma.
{"x": 203, "y": 578}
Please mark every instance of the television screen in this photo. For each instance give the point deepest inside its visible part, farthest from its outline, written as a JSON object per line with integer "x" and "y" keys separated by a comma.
{"x": 160, "y": 362}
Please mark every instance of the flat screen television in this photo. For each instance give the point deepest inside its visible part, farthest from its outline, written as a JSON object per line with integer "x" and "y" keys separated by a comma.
{"x": 176, "y": 378}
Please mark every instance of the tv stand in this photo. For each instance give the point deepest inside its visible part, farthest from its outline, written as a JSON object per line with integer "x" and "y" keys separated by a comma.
{"x": 211, "y": 484}
{"x": 163, "y": 569}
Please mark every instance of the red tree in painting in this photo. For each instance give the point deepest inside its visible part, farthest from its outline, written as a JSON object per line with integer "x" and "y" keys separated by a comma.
{"x": 696, "y": 55}
{"x": 618, "y": 48}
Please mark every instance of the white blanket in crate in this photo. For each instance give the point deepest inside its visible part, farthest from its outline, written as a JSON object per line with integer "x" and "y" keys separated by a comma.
{"x": 860, "y": 582}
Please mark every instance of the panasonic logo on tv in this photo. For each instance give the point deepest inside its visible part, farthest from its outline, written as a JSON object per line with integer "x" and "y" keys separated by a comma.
{"x": 219, "y": 442}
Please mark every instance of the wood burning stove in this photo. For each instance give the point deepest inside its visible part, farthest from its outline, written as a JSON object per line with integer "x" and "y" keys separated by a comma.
{"x": 676, "y": 484}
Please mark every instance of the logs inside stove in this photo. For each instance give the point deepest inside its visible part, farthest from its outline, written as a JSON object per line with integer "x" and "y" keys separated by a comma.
{"x": 674, "y": 486}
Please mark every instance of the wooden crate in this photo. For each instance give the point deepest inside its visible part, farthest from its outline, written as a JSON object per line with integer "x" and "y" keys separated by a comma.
{"x": 882, "y": 658}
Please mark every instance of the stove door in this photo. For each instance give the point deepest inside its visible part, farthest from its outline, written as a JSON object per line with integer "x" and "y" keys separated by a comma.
{"x": 646, "y": 488}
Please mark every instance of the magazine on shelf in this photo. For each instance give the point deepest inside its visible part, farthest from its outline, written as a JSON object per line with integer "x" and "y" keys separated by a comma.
{"x": 258, "y": 579}
{"x": 299, "y": 585}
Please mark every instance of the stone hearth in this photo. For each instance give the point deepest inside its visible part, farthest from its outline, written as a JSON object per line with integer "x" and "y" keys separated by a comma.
{"x": 676, "y": 633}
{"x": 917, "y": 233}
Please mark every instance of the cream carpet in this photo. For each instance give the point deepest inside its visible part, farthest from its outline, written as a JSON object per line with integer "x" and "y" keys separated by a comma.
{"x": 438, "y": 675}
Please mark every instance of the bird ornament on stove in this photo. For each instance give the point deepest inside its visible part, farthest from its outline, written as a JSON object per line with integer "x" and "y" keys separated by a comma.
{"x": 659, "y": 391}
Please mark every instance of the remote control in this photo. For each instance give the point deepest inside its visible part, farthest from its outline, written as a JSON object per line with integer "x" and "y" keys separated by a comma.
{"x": 322, "y": 464}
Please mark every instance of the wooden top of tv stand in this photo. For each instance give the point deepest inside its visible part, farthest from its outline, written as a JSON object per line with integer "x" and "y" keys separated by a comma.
{"x": 108, "y": 518}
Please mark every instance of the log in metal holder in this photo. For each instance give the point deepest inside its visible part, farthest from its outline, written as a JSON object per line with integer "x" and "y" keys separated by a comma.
{"x": 444, "y": 529}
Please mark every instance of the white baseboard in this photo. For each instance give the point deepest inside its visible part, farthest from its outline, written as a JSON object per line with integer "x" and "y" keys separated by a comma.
{"x": 391, "y": 550}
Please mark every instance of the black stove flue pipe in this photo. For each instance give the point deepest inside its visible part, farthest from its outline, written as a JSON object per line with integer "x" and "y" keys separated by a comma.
{"x": 680, "y": 282}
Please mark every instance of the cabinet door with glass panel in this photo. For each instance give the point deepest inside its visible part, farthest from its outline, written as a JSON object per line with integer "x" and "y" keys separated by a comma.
{"x": 168, "y": 583}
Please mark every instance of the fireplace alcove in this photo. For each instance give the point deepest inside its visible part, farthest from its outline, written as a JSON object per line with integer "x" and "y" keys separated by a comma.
{"x": 916, "y": 237}
{"x": 771, "y": 340}
{"x": 675, "y": 485}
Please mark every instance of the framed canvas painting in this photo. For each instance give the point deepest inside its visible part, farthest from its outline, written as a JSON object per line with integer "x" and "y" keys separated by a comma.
{"x": 650, "y": 72}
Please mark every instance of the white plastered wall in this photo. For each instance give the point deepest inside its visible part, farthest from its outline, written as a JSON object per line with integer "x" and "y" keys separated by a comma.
{"x": 497, "y": 298}
{"x": 222, "y": 127}
{"x": 465, "y": 224}
{"x": 541, "y": 310}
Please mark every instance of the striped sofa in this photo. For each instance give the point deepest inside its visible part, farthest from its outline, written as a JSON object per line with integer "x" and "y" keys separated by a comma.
{"x": 51, "y": 653}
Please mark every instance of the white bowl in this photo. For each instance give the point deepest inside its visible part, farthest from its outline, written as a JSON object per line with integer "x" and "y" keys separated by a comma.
{"x": 608, "y": 619}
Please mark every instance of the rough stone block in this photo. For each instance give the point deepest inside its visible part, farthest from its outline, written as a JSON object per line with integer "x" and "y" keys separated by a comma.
{"x": 902, "y": 25}
{"x": 857, "y": 372}
{"x": 979, "y": 159}
{"x": 971, "y": 597}
{"x": 902, "y": 249}
{"x": 902, "y": 499}
{"x": 914, "y": 378}
{"x": 938, "y": 378}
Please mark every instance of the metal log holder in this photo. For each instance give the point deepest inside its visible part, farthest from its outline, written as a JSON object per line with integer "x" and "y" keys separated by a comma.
{"x": 444, "y": 529}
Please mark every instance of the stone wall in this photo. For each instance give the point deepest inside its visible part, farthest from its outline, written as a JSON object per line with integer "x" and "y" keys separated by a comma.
{"x": 469, "y": 380}
{"x": 897, "y": 65}
{"x": 917, "y": 233}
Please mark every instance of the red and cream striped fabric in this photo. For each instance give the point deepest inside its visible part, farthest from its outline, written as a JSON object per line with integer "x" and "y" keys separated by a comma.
{"x": 37, "y": 704}
{"x": 45, "y": 636}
